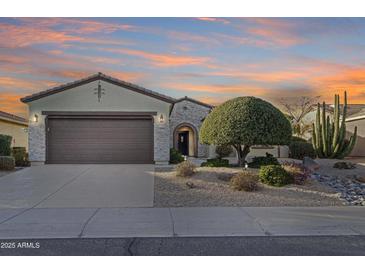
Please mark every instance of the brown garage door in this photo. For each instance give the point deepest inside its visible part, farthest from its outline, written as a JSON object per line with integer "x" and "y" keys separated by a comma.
{"x": 99, "y": 140}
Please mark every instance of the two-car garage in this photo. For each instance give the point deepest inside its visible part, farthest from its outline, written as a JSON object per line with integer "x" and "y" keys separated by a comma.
{"x": 99, "y": 120}
{"x": 99, "y": 138}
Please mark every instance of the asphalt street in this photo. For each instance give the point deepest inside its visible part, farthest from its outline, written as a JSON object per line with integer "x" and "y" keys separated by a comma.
{"x": 175, "y": 246}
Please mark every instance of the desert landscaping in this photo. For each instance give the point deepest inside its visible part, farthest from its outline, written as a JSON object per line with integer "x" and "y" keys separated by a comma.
{"x": 206, "y": 189}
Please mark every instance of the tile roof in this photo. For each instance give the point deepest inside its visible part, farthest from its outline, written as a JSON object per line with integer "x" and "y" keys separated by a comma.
{"x": 13, "y": 118}
{"x": 95, "y": 77}
{"x": 194, "y": 101}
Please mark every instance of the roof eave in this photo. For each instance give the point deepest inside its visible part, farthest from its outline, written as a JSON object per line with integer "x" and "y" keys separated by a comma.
{"x": 93, "y": 78}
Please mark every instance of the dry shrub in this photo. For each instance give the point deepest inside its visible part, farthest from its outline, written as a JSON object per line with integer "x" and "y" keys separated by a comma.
{"x": 299, "y": 173}
{"x": 185, "y": 169}
{"x": 245, "y": 180}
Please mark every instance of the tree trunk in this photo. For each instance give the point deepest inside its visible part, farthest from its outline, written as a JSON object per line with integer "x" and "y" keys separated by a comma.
{"x": 242, "y": 152}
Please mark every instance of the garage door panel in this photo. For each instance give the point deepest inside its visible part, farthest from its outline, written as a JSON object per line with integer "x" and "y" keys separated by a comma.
{"x": 100, "y": 141}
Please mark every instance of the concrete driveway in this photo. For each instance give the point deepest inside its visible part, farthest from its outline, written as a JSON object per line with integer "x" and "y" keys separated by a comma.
{"x": 74, "y": 186}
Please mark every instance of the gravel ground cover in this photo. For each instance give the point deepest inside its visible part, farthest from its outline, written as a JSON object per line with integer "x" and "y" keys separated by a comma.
{"x": 208, "y": 190}
{"x": 349, "y": 183}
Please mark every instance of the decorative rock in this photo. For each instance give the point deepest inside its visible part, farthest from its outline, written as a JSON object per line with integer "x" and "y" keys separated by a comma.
{"x": 360, "y": 179}
{"x": 344, "y": 165}
{"x": 350, "y": 191}
{"x": 310, "y": 164}
{"x": 190, "y": 185}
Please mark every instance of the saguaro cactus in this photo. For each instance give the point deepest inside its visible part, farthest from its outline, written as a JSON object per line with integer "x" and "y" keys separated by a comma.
{"x": 329, "y": 134}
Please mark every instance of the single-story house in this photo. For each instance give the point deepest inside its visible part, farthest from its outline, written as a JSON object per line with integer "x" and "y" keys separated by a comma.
{"x": 357, "y": 119}
{"x": 101, "y": 119}
{"x": 16, "y": 127}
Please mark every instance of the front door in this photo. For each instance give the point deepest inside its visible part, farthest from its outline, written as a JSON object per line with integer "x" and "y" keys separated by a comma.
{"x": 183, "y": 142}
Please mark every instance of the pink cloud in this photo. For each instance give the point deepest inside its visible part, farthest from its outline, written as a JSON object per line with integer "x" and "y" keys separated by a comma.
{"x": 164, "y": 60}
{"x": 213, "y": 19}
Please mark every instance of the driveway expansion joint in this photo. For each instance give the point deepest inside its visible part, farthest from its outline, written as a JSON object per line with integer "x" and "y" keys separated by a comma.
{"x": 61, "y": 187}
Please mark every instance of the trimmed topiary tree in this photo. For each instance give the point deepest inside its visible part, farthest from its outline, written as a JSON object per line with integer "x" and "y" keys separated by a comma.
{"x": 223, "y": 151}
{"x": 243, "y": 122}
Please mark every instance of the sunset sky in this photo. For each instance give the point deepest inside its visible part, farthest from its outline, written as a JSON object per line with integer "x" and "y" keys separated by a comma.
{"x": 209, "y": 59}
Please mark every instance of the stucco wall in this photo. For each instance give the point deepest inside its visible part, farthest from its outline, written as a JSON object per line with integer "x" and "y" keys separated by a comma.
{"x": 17, "y": 131}
{"x": 191, "y": 113}
{"x": 359, "y": 149}
{"x": 83, "y": 99}
{"x": 256, "y": 152}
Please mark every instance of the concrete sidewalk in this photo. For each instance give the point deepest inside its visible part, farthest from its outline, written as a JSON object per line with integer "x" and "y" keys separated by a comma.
{"x": 180, "y": 222}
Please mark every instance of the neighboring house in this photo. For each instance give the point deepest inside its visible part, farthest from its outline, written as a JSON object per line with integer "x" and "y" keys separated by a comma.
{"x": 100, "y": 119}
{"x": 357, "y": 119}
{"x": 16, "y": 127}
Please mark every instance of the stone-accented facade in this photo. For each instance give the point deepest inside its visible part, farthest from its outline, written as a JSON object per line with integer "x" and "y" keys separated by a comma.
{"x": 79, "y": 96}
{"x": 189, "y": 111}
{"x": 37, "y": 142}
{"x": 161, "y": 138}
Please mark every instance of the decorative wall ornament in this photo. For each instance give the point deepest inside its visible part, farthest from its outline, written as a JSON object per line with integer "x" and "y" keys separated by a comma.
{"x": 99, "y": 91}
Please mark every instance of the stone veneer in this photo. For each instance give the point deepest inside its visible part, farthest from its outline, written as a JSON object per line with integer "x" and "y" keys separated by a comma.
{"x": 190, "y": 112}
{"x": 37, "y": 142}
{"x": 161, "y": 141}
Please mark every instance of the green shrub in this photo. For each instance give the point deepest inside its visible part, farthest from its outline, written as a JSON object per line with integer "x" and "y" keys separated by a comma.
{"x": 244, "y": 180}
{"x": 21, "y": 156}
{"x": 216, "y": 163}
{"x": 223, "y": 151}
{"x": 175, "y": 156}
{"x": 299, "y": 150}
{"x": 258, "y": 162}
{"x": 7, "y": 163}
{"x": 299, "y": 173}
{"x": 243, "y": 122}
{"x": 5, "y": 145}
{"x": 185, "y": 169}
{"x": 275, "y": 175}
{"x": 298, "y": 139}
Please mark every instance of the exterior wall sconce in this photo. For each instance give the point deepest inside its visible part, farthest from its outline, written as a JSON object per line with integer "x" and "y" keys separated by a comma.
{"x": 161, "y": 119}
{"x": 35, "y": 118}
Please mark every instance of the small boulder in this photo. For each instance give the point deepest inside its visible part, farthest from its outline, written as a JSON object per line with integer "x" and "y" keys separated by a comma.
{"x": 360, "y": 179}
{"x": 190, "y": 184}
{"x": 344, "y": 165}
{"x": 310, "y": 164}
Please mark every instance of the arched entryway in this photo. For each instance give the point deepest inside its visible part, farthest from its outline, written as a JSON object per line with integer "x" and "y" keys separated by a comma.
{"x": 186, "y": 139}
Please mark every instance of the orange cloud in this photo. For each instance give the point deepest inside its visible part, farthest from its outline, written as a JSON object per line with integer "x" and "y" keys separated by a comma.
{"x": 126, "y": 76}
{"x": 20, "y": 36}
{"x": 214, "y": 101}
{"x": 10, "y": 102}
{"x": 164, "y": 60}
{"x": 272, "y": 31}
{"x": 264, "y": 76}
{"x": 17, "y": 83}
{"x": 40, "y": 31}
{"x": 352, "y": 80}
{"x": 238, "y": 89}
